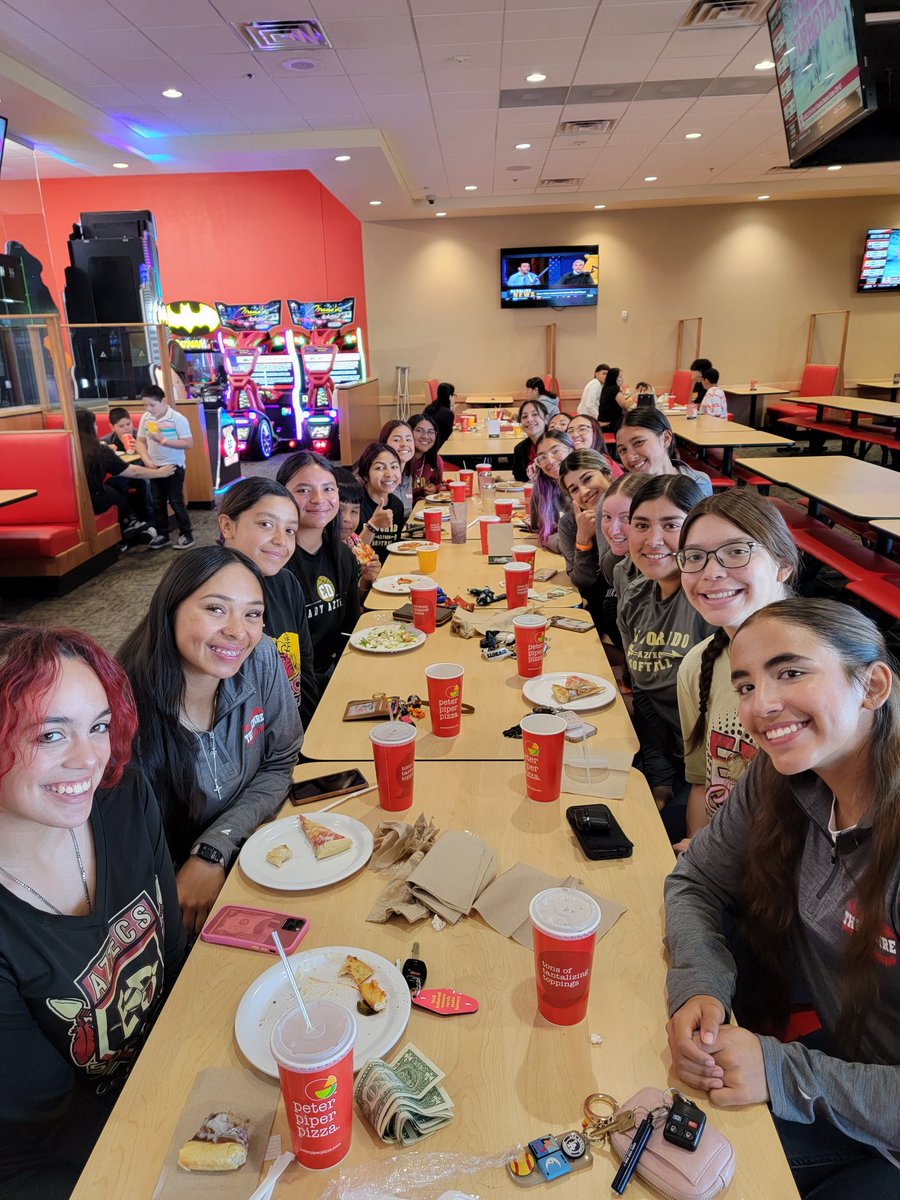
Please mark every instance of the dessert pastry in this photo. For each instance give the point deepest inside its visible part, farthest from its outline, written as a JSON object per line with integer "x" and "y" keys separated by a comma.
{"x": 279, "y": 855}
{"x": 367, "y": 985}
{"x": 324, "y": 841}
{"x": 220, "y": 1144}
{"x": 575, "y": 688}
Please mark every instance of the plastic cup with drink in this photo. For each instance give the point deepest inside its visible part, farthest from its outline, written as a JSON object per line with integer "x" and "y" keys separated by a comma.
{"x": 457, "y": 490}
{"x": 516, "y": 575}
{"x": 543, "y": 738}
{"x": 531, "y": 631}
{"x": 484, "y": 524}
{"x": 445, "y": 684}
{"x": 432, "y": 518}
{"x": 394, "y": 753}
{"x": 503, "y": 509}
{"x": 564, "y": 924}
{"x": 526, "y": 554}
{"x": 468, "y": 478}
{"x": 428, "y": 556}
{"x": 459, "y": 522}
{"x": 484, "y": 471}
{"x": 423, "y": 598}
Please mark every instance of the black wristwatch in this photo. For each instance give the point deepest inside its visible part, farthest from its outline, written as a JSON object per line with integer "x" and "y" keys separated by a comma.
{"x": 208, "y": 853}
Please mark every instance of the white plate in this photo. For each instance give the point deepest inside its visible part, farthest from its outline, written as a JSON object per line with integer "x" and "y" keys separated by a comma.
{"x": 539, "y": 691}
{"x": 304, "y": 871}
{"x": 510, "y": 487}
{"x": 414, "y": 548}
{"x": 356, "y": 639}
{"x": 270, "y": 996}
{"x": 396, "y": 585}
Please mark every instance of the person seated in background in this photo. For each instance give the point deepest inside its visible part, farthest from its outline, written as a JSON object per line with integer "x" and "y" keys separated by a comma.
{"x": 699, "y": 367}
{"x": 805, "y": 857}
{"x": 88, "y": 894}
{"x": 121, "y": 439}
{"x": 644, "y": 395}
{"x": 381, "y": 511}
{"x": 350, "y": 491}
{"x": 535, "y": 390}
{"x": 258, "y": 517}
{"x": 589, "y": 404}
{"x": 399, "y": 436}
{"x": 427, "y": 465}
{"x": 219, "y": 729}
{"x": 440, "y": 412}
{"x": 714, "y": 403}
{"x": 533, "y": 417}
{"x": 325, "y": 567}
{"x": 646, "y": 444}
{"x": 615, "y": 400}
{"x": 548, "y": 500}
{"x": 100, "y": 463}
{"x": 121, "y": 435}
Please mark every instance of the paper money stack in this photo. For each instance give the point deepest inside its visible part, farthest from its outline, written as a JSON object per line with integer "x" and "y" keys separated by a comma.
{"x": 403, "y": 1101}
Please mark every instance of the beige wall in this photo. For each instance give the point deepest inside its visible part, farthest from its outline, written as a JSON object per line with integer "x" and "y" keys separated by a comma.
{"x": 754, "y": 272}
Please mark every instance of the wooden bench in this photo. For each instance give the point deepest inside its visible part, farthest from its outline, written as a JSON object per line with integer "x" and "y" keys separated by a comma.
{"x": 741, "y": 474}
{"x": 866, "y": 435}
{"x": 883, "y": 593}
{"x": 716, "y": 478}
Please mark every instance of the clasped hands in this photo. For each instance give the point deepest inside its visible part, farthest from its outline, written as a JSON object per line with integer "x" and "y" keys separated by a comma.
{"x": 723, "y": 1060}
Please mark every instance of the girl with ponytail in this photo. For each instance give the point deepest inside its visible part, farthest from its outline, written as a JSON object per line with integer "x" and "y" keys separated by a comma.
{"x": 736, "y": 555}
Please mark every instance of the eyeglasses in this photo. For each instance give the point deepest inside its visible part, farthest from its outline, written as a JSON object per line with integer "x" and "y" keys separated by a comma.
{"x": 552, "y": 455}
{"x": 729, "y": 556}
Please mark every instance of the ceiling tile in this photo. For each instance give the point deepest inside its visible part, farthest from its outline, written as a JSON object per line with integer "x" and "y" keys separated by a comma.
{"x": 390, "y": 58}
{"x": 602, "y": 50}
{"x": 476, "y": 54}
{"x": 193, "y": 93}
{"x": 388, "y": 108}
{"x": 391, "y": 85}
{"x": 248, "y": 91}
{"x": 106, "y": 45}
{"x": 167, "y": 12}
{"x": 181, "y": 41}
{"x": 486, "y": 102}
{"x": 698, "y": 43}
{"x": 336, "y": 10}
{"x": 638, "y": 18}
{"x": 327, "y": 89}
{"x": 249, "y": 10}
{"x": 86, "y": 15}
{"x": 109, "y": 94}
{"x": 553, "y": 52}
{"x": 459, "y": 79}
{"x": 371, "y": 33}
{"x": 215, "y": 120}
{"x": 425, "y": 7}
{"x": 687, "y": 68}
{"x": 345, "y": 119}
{"x": 219, "y": 66}
{"x": 466, "y": 27}
{"x": 325, "y": 62}
{"x": 551, "y": 21}
{"x": 624, "y": 70}
{"x": 520, "y": 5}
{"x": 513, "y": 76}
{"x": 161, "y": 72}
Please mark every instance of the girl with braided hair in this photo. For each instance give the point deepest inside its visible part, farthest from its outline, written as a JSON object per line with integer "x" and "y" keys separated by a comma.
{"x": 736, "y": 555}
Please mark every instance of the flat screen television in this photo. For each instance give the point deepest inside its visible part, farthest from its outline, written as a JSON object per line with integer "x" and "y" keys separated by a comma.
{"x": 824, "y": 81}
{"x": 4, "y": 124}
{"x": 549, "y": 276}
{"x": 880, "y": 268}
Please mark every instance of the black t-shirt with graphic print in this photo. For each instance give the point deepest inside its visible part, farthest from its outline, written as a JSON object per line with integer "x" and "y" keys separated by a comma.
{"x": 383, "y": 537}
{"x": 332, "y": 599}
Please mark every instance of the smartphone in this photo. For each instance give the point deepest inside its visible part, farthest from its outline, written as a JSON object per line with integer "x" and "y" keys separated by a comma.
{"x": 251, "y": 929}
{"x": 324, "y": 787}
{"x": 572, "y": 624}
{"x": 599, "y": 833}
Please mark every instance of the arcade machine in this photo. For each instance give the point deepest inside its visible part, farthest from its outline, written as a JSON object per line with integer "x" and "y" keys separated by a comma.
{"x": 331, "y": 352}
{"x": 265, "y": 377}
{"x": 113, "y": 280}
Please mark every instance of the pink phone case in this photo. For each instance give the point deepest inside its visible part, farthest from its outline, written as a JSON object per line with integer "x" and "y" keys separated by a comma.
{"x": 251, "y": 929}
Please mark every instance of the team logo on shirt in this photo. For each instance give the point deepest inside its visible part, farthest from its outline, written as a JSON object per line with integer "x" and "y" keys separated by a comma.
{"x": 885, "y": 942}
{"x": 325, "y": 588}
{"x": 288, "y": 647}
{"x": 117, "y": 991}
{"x": 255, "y": 725}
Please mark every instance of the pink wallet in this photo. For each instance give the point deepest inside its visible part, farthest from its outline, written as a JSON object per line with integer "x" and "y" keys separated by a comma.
{"x": 679, "y": 1174}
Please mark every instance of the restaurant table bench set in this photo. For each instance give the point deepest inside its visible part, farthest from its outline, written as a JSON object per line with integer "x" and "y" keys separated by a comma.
{"x": 466, "y": 892}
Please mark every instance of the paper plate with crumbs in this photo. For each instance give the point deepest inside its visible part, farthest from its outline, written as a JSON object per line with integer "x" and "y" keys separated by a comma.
{"x": 580, "y": 693}
{"x": 344, "y": 974}
{"x": 282, "y": 856}
{"x": 398, "y": 585}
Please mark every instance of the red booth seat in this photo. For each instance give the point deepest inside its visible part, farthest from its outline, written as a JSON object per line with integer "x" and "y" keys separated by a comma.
{"x": 819, "y": 379}
{"x": 47, "y": 524}
{"x": 37, "y": 541}
{"x": 680, "y": 391}
{"x": 53, "y": 420}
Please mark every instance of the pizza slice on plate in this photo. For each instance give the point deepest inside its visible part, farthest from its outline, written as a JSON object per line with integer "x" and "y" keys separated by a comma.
{"x": 366, "y": 984}
{"x": 574, "y": 688}
{"x": 324, "y": 841}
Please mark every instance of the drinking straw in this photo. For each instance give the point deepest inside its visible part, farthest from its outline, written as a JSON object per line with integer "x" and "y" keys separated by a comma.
{"x": 291, "y": 980}
{"x": 587, "y": 761}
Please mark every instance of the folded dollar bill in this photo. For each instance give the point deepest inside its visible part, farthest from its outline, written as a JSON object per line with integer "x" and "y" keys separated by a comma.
{"x": 403, "y": 1101}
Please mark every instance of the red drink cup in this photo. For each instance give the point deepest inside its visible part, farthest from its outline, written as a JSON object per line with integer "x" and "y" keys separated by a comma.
{"x": 516, "y": 584}
{"x": 526, "y": 554}
{"x": 542, "y": 747}
{"x": 481, "y": 470}
{"x": 526, "y": 496}
{"x": 530, "y": 632}
{"x": 503, "y": 509}
{"x": 468, "y": 478}
{"x": 394, "y": 752}
{"x": 445, "y": 684}
{"x": 432, "y": 518}
{"x": 564, "y": 925}
{"x": 423, "y": 597}
{"x": 483, "y": 523}
{"x": 457, "y": 490}
{"x": 466, "y": 423}
{"x": 316, "y": 1073}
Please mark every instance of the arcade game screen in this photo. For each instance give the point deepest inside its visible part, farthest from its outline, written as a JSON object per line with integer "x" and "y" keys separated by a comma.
{"x": 549, "y": 277}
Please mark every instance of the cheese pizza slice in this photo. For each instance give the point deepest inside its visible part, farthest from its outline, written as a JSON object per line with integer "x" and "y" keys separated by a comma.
{"x": 324, "y": 841}
{"x": 574, "y": 688}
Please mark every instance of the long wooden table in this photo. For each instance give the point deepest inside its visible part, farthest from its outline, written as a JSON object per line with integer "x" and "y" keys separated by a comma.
{"x": 476, "y": 447}
{"x": 885, "y": 384}
{"x": 854, "y": 405}
{"x": 492, "y": 686}
{"x": 706, "y": 432}
{"x": 860, "y": 489}
{"x": 486, "y": 401}
{"x": 761, "y": 392}
{"x": 512, "y": 1076}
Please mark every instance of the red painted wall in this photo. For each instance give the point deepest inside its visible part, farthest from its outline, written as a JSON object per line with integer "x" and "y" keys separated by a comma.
{"x": 237, "y": 238}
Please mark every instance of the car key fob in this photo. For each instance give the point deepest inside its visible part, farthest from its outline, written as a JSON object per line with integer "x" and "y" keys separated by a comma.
{"x": 684, "y": 1124}
{"x": 414, "y": 971}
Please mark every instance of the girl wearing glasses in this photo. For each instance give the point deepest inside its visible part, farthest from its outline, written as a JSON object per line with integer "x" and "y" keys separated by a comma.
{"x": 658, "y": 627}
{"x": 736, "y": 555}
{"x": 547, "y": 498}
{"x": 645, "y": 443}
{"x": 805, "y": 855}
{"x": 533, "y": 417}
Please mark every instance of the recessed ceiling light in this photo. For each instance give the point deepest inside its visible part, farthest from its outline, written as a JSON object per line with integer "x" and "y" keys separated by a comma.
{"x": 121, "y": 166}
{"x": 765, "y": 65}
{"x": 523, "y": 145}
{"x": 835, "y": 167}
{"x": 650, "y": 178}
{"x": 172, "y": 94}
{"x": 763, "y": 197}
{"x": 535, "y": 77}
{"x": 599, "y": 206}
{"x": 342, "y": 158}
{"x": 374, "y": 203}
{"x": 471, "y": 187}
{"x": 690, "y": 137}
{"x": 440, "y": 214}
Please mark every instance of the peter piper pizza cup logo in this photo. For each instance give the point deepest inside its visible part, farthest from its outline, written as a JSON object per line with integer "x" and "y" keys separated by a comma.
{"x": 453, "y": 691}
{"x": 532, "y": 749}
{"x": 539, "y": 636}
{"x": 318, "y": 1089}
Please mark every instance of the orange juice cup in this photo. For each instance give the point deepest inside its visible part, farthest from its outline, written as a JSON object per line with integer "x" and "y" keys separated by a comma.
{"x": 316, "y": 1073}
{"x": 423, "y": 597}
{"x": 526, "y": 554}
{"x": 457, "y": 490}
{"x": 516, "y": 574}
{"x": 394, "y": 753}
{"x": 468, "y": 478}
{"x": 542, "y": 747}
{"x": 530, "y": 631}
{"x": 427, "y": 554}
{"x": 564, "y": 924}
{"x": 432, "y": 518}
{"x": 503, "y": 509}
{"x": 445, "y": 684}
{"x": 483, "y": 523}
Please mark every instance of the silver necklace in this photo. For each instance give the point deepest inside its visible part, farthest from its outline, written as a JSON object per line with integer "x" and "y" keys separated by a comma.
{"x": 43, "y": 899}
{"x": 212, "y": 763}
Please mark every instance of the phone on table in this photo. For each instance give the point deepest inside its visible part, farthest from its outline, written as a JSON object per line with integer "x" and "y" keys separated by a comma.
{"x": 251, "y": 929}
{"x": 599, "y": 833}
{"x": 325, "y": 787}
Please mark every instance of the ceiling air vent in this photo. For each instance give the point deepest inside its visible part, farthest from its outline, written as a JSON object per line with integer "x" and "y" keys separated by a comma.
{"x": 284, "y": 35}
{"x": 582, "y": 127}
{"x": 561, "y": 183}
{"x": 708, "y": 14}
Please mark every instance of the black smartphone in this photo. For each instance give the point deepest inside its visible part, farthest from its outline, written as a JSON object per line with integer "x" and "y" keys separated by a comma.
{"x": 324, "y": 787}
{"x": 599, "y": 833}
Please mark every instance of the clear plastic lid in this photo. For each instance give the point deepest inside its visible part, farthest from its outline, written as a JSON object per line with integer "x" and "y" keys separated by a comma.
{"x": 332, "y": 1034}
{"x": 565, "y": 913}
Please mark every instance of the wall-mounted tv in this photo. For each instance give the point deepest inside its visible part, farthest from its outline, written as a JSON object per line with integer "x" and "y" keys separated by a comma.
{"x": 549, "y": 276}
{"x": 4, "y": 124}
{"x": 880, "y": 269}
{"x": 823, "y": 76}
